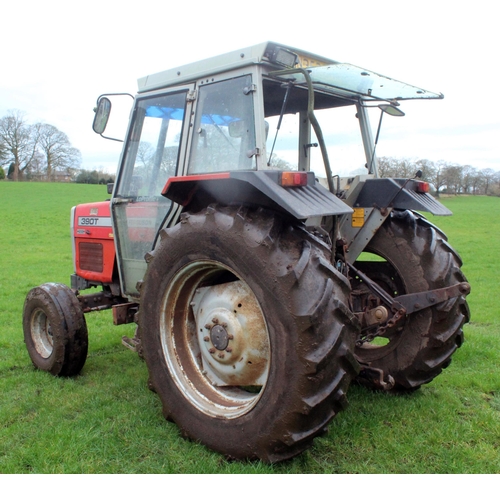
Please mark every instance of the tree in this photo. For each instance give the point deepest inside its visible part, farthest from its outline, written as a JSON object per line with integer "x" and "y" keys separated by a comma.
{"x": 58, "y": 153}
{"x": 19, "y": 142}
{"x": 88, "y": 177}
{"x": 439, "y": 176}
{"x": 452, "y": 178}
{"x": 403, "y": 168}
{"x": 38, "y": 150}
{"x": 94, "y": 177}
{"x": 488, "y": 178}
{"x": 4, "y": 152}
{"x": 428, "y": 169}
{"x": 468, "y": 174}
{"x": 497, "y": 183}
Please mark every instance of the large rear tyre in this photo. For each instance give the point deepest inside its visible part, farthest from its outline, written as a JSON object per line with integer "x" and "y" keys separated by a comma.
{"x": 246, "y": 333}
{"x": 55, "y": 331}
{"x": 415, "y": 257}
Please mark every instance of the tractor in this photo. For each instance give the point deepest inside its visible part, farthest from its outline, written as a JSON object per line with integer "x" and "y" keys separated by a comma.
{"x": 262, "y": 283}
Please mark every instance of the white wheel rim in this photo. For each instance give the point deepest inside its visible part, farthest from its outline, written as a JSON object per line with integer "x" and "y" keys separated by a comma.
{"x": 41, "y": 333}
{"x": 215, "y": 340}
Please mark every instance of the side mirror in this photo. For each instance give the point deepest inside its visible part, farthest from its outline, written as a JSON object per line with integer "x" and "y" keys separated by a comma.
{"x": 391, "y": 110}
{"x": 102, "y": 112}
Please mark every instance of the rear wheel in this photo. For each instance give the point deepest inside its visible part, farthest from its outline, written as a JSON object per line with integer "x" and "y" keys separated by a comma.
{"x": 246, "y": 333}
{"x": 55, "y": 331}
{"x": 408, "y": 255}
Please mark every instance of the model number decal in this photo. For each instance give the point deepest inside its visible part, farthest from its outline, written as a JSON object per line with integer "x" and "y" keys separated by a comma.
{"x": 94, "y": 221}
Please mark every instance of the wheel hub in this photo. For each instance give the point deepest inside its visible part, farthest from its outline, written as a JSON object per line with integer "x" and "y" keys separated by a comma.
{"x": 232, "y": 335}
{"x": 219, "y": 337}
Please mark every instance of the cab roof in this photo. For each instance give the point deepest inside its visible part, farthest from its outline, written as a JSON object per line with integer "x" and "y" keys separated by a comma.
{"x": 329, "y": 76}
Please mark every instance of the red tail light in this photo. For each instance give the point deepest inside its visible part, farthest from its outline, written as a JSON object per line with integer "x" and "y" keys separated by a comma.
{"x": 422, "y": 187}
{"x": 293, "y": 179}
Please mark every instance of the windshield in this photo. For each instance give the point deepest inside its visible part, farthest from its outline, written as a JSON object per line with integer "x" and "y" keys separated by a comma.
{"x": 153, "y": 148}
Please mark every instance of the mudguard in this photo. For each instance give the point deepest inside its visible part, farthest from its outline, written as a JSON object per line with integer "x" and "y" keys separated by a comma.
{"x": 400, "y": 194}
{"x": 258, "y": 188}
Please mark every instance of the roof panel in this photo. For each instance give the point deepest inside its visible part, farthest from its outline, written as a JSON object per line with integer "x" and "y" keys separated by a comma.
{"x": 352, "y": 81}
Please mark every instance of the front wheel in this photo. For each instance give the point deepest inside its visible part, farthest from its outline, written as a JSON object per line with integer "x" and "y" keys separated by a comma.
{"x": 246, "y": 333}
{"x": 409, "y": 255}
{"x": 55, "y": 331}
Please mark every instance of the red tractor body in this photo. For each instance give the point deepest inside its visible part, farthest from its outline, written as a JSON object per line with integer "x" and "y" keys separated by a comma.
{"x": 93, "y": 242}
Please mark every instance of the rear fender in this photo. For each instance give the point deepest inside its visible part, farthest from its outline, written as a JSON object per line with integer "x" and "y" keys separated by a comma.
{"x": 373, "y": 204}
{"x": 305, "y": 200}
{"x": 401, "y": 194}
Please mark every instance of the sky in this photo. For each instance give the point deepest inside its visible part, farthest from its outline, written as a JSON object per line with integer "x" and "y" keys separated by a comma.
{"x": 57, "y": 57}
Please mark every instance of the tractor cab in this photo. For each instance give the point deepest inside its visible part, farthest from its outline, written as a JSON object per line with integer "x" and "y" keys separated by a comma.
{"x": 261, "y": 109}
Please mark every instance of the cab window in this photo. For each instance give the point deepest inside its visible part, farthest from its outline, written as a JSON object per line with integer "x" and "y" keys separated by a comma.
{"x": 224, "y": 130}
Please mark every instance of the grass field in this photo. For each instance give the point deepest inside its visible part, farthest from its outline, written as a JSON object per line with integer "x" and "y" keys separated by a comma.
{"x": 107, "y": 421}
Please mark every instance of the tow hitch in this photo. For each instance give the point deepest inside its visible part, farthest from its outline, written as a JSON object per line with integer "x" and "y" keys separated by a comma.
{"x": 403, "y": 305}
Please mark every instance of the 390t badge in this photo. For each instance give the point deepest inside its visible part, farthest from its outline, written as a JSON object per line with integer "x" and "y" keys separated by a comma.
{"x": 94, "y": 221}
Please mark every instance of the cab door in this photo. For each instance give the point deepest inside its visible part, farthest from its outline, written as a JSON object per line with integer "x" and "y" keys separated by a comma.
{"x": 155, "y": 150}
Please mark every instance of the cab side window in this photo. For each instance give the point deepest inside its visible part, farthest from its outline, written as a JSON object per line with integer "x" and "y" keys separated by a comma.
{"x": 224, "y": 130}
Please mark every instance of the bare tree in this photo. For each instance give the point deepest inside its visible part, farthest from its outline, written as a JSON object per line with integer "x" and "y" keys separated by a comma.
{"x": 387, "y": 166}
{"x": 457, "y": 179}
{"x": 497, "y": 182}
{"x": 405, "y": 168}
{"x": 468, "y": 174}
{"x": 36, "y": 167}
{"x": 56, "y": 149}
{"x": 19, "y": 142}
{"x": 488, "y": 178}
{"x": 452, "y": 176}
{"x": 4, "y": 152}
{"x": 440, "y": 177}
{"x": 428, "y": 169}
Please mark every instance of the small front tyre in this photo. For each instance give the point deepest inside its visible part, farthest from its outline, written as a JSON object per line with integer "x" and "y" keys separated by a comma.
{"x": 55, "y": 331}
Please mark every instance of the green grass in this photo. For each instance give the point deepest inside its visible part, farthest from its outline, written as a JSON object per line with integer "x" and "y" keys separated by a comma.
{"x": 107, "y": 421}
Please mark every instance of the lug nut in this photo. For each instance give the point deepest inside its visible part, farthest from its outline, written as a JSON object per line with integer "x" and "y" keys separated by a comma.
{"x": 212, "y": 350}
{"x": 206, "y": 339}
{"x": 221, "y": 355}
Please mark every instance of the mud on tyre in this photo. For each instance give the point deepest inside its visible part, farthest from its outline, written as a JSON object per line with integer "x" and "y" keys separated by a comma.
{"x": 55, "y": 331}
{"x": 415, "y": 257}
{"x": 246, "y": 333}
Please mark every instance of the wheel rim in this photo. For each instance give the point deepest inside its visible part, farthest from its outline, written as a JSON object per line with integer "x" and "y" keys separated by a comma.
{"x": 41, "y": 333}
{"x": 215, "y": 339}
